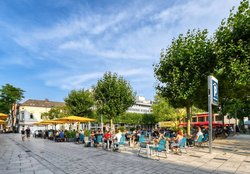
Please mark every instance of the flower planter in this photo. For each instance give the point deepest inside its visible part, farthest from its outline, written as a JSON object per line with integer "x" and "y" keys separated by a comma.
{"x": 71, "y": 139}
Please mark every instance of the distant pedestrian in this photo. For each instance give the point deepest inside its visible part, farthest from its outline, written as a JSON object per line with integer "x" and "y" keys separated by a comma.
{"x": 27, "y": 133}
{"x": 237, "y": 130}
{"x": 23, "y": 134}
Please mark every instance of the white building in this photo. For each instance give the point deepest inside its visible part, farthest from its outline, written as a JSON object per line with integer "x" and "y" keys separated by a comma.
{"x": 30, "y": 111}
{"x": 141, "y": 106}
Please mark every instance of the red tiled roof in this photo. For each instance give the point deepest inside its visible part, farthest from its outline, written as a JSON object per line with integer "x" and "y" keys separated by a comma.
{"x": 42, "y": 103}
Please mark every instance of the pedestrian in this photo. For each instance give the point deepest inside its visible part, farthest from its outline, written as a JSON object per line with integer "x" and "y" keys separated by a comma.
{"x": 23, "y": 134}
{"x": 27, "y": 133}
{"x": 237, "y": 130}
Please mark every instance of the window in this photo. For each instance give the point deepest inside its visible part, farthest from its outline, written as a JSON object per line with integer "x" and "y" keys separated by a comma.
{"x": 201, "y": 119}
{"x": 218, "y": 118}
{"x": 194, "y": 119}
{"x": 31, "y": 116}
{"x": 22, "y": 118}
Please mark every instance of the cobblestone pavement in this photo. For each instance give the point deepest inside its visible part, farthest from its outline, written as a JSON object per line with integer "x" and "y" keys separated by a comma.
{"x": 47, "y": 157}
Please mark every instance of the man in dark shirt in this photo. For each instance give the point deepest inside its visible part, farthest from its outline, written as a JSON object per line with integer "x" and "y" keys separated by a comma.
{"x": 23, "y": 134}
{"x": 27, "y": 132}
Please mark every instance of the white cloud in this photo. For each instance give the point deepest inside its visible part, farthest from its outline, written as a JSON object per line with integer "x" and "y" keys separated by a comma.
{"x": 127, "y": 40}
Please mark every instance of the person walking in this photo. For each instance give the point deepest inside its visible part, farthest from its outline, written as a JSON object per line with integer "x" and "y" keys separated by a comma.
{"x": 27, "y": 133}
{"x": 23, "y": 134}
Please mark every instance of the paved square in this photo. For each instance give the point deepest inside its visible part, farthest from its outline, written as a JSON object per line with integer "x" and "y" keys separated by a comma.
{"x": 45, "y": 157}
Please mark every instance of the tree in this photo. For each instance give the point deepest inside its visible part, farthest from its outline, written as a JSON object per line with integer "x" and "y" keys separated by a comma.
{"x": 136, "y": 119}
{"x": 80, "y": 102}
{"x": 232, "y": 48}
{"x": 183, "y": 69}
{"x": 129, "y": 118}
{"x": 10, "y": 95}
{"x": 162, "y": 109}
{"x": 113, "y": 95}
{"x": 56, "y": 112}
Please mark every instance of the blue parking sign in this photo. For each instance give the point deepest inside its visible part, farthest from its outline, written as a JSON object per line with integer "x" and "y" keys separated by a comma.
{"x": 214, "y": 90}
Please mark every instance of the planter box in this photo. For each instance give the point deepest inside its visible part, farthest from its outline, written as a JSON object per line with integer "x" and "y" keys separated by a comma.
{"x": 71, "y": 139}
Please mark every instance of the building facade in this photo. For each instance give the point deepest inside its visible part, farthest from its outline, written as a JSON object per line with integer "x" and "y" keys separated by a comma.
{"x": 31, "y": 110}
{"x": 141, "y": 106}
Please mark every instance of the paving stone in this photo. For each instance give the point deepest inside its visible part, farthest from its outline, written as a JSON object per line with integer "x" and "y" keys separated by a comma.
{"x": 44, "y": 156}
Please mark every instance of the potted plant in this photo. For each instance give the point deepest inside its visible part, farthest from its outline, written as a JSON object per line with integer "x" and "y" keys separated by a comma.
{"x": 86, "y": 135}
{"x": 70, "y": 136}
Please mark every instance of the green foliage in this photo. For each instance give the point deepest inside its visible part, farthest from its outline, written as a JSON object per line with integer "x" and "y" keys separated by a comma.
{"x": 70, "y": 134}
{"x": 237, "y": 108}
{"x": 122, "y": 128}
{"x": 113, "y": 95}
{"x": 80, "y": 103}
{"x": 9, "y": 95}
{"x": 232, "y": 48}
{"x": 149, "y": 119}
{"x": 136, "y": 119}
{"x": 87, "y": 133}
{"x": 184, "y": 67}
{"x": 163, "y": 111}
{"x": 56, "y": 112}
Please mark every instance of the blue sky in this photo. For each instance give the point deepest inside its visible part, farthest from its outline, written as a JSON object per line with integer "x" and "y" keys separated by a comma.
{"x": 49, "y": 47}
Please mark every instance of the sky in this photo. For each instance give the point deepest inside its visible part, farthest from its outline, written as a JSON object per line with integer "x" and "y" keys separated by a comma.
{"x": 50, "y": 47}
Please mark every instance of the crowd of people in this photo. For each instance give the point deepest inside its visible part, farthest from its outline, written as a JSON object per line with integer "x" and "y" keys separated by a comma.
{"x": 113, "y": 138}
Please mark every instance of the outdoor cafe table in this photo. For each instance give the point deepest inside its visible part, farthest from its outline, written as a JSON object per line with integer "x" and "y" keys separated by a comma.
{"x": 153, "y": 145}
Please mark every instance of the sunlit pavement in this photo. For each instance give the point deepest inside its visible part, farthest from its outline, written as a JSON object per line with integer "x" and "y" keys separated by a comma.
{"x": 230, "y": 155}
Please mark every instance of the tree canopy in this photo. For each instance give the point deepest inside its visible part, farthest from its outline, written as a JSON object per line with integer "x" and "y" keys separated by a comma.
{"x": 56, "y": 112}
{"x": 232, "y": 48}
{"x": 183, "y": 69}
{"x": 184, "y": 66}
{"x": 9, "y": 95}
{"x": 113, "y": 95}
{"x": 162, "y": 110}
{"x": 80, "y": 103}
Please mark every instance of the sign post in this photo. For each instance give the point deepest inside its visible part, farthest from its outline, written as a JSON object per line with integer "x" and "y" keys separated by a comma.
{"x": 213, "y": 98}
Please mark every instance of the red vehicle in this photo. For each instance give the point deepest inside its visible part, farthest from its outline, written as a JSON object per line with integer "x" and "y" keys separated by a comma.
{"x": 203, "y": 120}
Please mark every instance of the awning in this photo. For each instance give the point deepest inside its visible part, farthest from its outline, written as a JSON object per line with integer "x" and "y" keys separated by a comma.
{"x": 72, "y": 119}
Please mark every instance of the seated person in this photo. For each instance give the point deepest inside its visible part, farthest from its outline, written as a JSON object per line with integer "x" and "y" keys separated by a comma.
{"x": 127, "y": 135}
{"x": 108, "y": 138}
{"x": 98, "y": 138}
{"x": 57, "y": 134}
{"x": 77, "y": 136}
{"x": 176, "y": 141}
{"x": 92, "y": 137}
{"x": 190, "y": 141}
{"x": 117, "y": 138}
{"x": 61, "y": 135}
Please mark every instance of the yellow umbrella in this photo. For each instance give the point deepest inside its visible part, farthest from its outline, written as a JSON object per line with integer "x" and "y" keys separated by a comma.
{"x": 47, "y": 122}
{"x": 3, "y": 116}
{"x": 2, "y": 122}
{"x": 72, "y": 119}
{"x": 39, "y": 123}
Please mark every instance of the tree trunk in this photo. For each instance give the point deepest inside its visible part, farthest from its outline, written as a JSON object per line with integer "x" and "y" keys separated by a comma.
{"x": 188, "y": 108}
